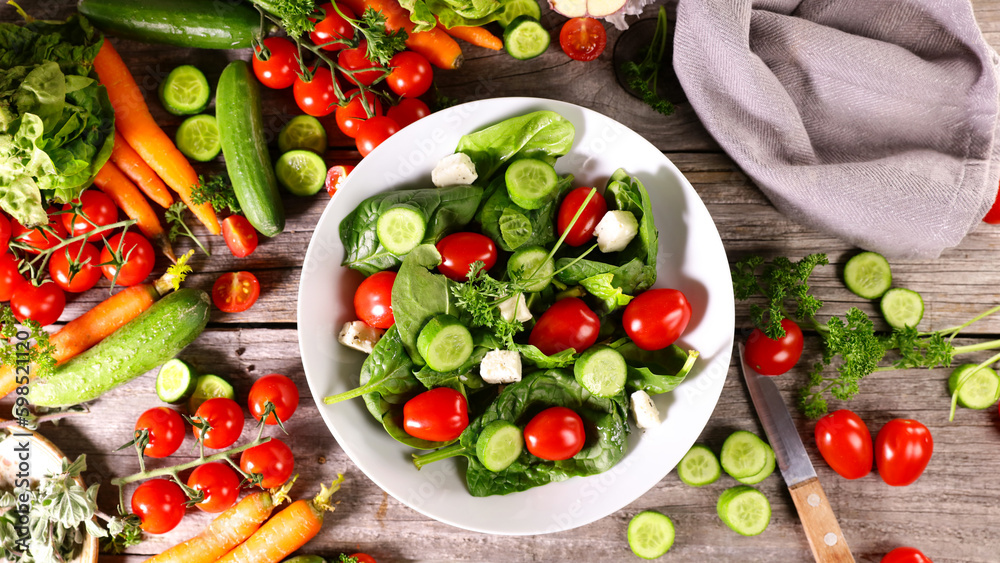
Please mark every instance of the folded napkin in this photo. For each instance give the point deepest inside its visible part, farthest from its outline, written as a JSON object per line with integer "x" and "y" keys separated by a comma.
{"x": 873, "y": 120}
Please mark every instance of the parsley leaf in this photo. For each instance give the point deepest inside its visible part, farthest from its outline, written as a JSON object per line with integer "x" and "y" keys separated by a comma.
{"x": 178, "y": 228}
{"x": 294, "y": 14}
{"x": 218, "y": 191}
{"x": 382, "y": 43}
{"x": 778, "y": 281}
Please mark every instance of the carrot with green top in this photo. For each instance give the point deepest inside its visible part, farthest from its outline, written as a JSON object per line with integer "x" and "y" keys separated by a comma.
{"x": 476, "y": 35}
{"x": 129, "y": 199}
{"x": 136, "y": 125}
{"x": 439, "y": 48}
{"x": 129, "y": 162}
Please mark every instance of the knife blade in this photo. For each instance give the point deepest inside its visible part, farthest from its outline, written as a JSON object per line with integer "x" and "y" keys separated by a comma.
{"x": 826, "y": 540}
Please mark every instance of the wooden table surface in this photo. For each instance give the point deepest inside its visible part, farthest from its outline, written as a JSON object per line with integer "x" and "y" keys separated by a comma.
{"x": 952, "y": 513}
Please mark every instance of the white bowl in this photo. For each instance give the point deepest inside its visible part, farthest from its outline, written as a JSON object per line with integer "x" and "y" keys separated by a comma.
{"x": 691, "y": 258}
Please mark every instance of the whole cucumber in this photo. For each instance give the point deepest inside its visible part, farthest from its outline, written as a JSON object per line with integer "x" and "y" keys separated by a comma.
{"x": 222, "y": 24}
{"x": 140, "y": 345}
{"x": 241, "y": 132}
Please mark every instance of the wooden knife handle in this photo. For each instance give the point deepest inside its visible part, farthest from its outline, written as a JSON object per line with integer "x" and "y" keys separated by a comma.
{"x": 820, "y": 523}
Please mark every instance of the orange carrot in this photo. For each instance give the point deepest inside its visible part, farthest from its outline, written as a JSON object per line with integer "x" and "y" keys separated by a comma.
{"x": 439, "y": 48}
{"x": 129, "y": 162}
{"x": 287, "y": 531}
{"x": 136, "y": 125}
{"x": 476, "y": 35}
{"x": 129, "y": 199}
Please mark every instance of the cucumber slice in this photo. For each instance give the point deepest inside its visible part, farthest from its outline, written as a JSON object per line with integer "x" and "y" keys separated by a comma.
{"x": 601, "y": 370}
{"x": 769, "y": 467}
{"x": 531, "y": 183}
{"x": 745, "y": 510}
{"x": 976, "y": 390}
{"x": 533, "y": 265}
{"x": 198, "y": 138}
{"x": 175, "y": 381}
{"x": 185, "y": 91}
{"x": 902, "y": 307}
{"x": 699, "y": 467}
{"x": 525, "y": 38}
{"x": 743, "y": 454}
{"x": 209, "y": 387}
{"x": 303, "y": 132}
{"x": 512, "y": 9}
{"x": 868, "y": 275}
{"x": 302, "y": 172}
{"x": 499, "y": 445}
{"x": 400, "y": 229}
{"x": 650, "y": 534}
{"x": 444, "y": 343}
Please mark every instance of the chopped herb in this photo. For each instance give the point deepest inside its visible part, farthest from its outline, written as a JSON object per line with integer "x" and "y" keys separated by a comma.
{"x": 643, "y": 77}
{"x": 218, "y": 191}
{"x": 382, "y": 44}
{"x": 178, "y": 228}
{"x": 292, "y": 14}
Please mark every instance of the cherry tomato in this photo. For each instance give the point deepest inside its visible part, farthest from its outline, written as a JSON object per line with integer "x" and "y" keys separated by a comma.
{"x": 137, "y": 253}
{"x": 373, "y": 300}
{"x": 336, "y": 176}
{"x": 656, "y": 318}
{"x": 41, "y": 303}
{"x": 272, "y": 459}
{"x": 316, "y": 96}
{"x": 165, "y": 428}
{"x": 10, "y": 277}
{"x": 407, "y": 111}
{"x": 438, "y": 415}
{"x": 460, "y": 250}
{"x": 83, "y": 278}
{"x": 96, "y": 210}
{"x": 241, "y": 237}
{"x": 905, "y": 555}
{"x": 282, "y": 65}
{"x": 583, "y": 39}
{"x": 568, "y": 323}
{"x": 332, "y": 27}
{"x": 993, "y": 215}
{"x": 38, "y": 239}
{"x": 903, "y": 448}
{"x": 351, "y": 115}
{"x": 364, "y": 558}
{"x": 373, "y": 133}
{"x": 845, "y": 443}
{"x": 159, "y": 504}
{"x": 555, "y": 434}
{"x": 225, "y": 417}
{"x": 583, "y": 229}
{"x": 235, "y": 292}
{"x": 411, "y": 74}
{"x": 4, "y": 231}
{"x": 219, "y": 484}
{"x": 775, "y": 357}
{"x": 356, "y": 60}
{"x": 275, "y": 393}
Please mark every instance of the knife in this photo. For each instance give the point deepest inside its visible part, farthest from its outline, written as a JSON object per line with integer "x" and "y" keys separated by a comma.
{"x": 820, "y": 523}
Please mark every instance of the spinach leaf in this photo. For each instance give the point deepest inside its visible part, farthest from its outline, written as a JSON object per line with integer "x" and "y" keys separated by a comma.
{"x": 465, "y": 376}
{"x": 543, "y": 135}
{"x": 535, "y": 356}
{"x": 447, "y": 209}
{"x": 511, "y": 226}
{"x": 654, "y": 372}
{"x": 418, "y": 295}
{"x": 627, "y": 193}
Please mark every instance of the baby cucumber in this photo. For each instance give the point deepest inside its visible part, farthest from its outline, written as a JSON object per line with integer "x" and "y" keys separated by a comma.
{"x": 142, "y": 344}
{"x": 184, "y": 23}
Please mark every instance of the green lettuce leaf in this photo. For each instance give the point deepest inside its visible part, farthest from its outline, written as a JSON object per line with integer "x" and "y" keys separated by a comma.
{"x": 544, "y": 135}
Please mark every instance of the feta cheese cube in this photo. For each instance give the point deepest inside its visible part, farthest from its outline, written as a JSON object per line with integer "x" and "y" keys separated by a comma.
{"x": 646, "y": 415}
{"x": 515, "y": 308}
{"x": 360, "y": 336}
{"x": 615, "y": 230}
{"x": 501, "y": 366}
{"x": 454, "y": 170}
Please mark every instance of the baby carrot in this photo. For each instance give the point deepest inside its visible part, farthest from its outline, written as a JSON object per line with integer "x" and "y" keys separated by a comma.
{"x": 129, "y": 162}
{"x": 476, "y": 35}
{"x": 129, "y": 199}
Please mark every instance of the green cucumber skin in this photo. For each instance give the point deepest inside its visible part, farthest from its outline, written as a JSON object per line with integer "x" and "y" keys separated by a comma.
{"x": 184, "y": 23}
{"x": 142, "y": 344}
{"x": 241, "y": 132}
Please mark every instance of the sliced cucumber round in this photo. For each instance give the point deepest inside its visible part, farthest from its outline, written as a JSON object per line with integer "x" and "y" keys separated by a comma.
{"x": 976, "y": 389}
{"x": 209, "y": 387}
{"x": 303, "y": 132}
{"x": 743, "y": 454}
{"x": 533, "y": 266}
{"x": 198, "y": 138}
{"x": 175, "y": 381}
{"x": 902, "y": 307}
{"x": 699, "y": 467}
{"x": 301, "y": 172}
{"x": 650, "y": 534}
{"x": 400, "y": 229}
{"x": 185, "y": 91}
{"x": 868, "y": 275}
{"x": 745, "y": 510}
{"x": 769, "y": 467}
{"x": 499, "y": 445}
{"x": 531, "y": 183}
{"x": 525, "y": 38}
{"x": 444, "y": 343}
{"x": 601, "y": 370}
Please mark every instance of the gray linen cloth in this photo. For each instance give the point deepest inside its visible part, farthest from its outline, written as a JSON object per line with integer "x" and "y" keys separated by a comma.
{"x": 873, "y": 120}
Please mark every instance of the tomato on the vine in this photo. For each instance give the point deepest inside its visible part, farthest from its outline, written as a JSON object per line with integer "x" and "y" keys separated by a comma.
{"x": 373, "y": 299}
{"x": 363, "y": 558}
{"x": 165, "y": 429}
{"x": 460, "y": 250}
{"x": 351, "y": 115}
{"x": 85, "y": 275}
{"x": 272, "y": 459}
{"x": 903, "y": 449}
{"x": 373, "y": 133}
{"x": 274, "y": 395}
{"x": 656, "y": 318}
{"x": 593, "y": 212}
{"x": 10, "y": 276}
{"x": 845, "y": 443}
{"x": 138, "y": 256}
{"x": 356, "y": 62}
{"x": 332, "y": 27}
{"x": 583, "y": 39}
{"x": 555, "y": 434}
{"x": 317, "y": 95}
{"x": 41, "y": 303}
{"x": 438, "y": 415}
{"x": 41, "y": 238}
{"x": 282, "y": 65}
{"x": 159, "y": 504}
{"x": 336, "y": 176}
{"x": 568, "y": 323}
{"x": 225, "y": 419}
{"x": 775, "y": 357}
{"x": 407, "y": 111}
{"x": 411, "y": 74}
{"x": 235, "y": 292}
{"x": 219, "y": 484}
{"x": 4, "y": 231}
{"x": 96, "y": 209}
{"x": 241, "y": 237}
{"x": 905, "y": 555}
